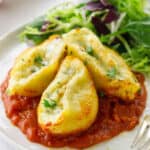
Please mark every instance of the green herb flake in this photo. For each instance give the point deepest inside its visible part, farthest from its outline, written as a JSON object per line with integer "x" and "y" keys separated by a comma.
{"x": 85, "y": 62}
{"x": 90, "y": 51}
{"x": 70, "y": 53}
{"x": 33, "y": 70}
{"x": 58, "y": 82}
{"x": 139, "y": 91}
{"x": 49, "y": 104}
{"x": 112, "y": 72}
{"x": 38, "y": 60}
{"x": 22, "y": 59}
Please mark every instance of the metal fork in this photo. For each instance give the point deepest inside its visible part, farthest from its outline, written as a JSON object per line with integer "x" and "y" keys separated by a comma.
{"x": 142, "y": 139}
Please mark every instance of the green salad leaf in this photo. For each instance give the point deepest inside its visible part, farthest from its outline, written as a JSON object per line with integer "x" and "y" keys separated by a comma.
{"x": 139, "y": 59}
{"x": 133, "y": 8}
{"x": 140, "y": 31}
{"x": 58, "y": 21}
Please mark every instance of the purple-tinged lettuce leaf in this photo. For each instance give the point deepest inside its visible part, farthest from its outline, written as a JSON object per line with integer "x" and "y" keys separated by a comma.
{"x": 45, "y": 26}
{"x": 99, "y": 5}
{"x": 100, "y": 26}
{"x": 106, "y": 4}
{"x": 111, "y": 16}
{"x": 94, "y": 6}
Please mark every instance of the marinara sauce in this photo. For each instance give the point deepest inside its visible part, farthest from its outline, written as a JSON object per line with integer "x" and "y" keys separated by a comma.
{"x": 114, "y": 117}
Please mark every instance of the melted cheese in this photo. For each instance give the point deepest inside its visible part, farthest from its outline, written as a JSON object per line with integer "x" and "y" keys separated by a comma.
{"x": 75, "y": 97}
{"x": 36, "y": 67}
{"x": 109, "y": 71}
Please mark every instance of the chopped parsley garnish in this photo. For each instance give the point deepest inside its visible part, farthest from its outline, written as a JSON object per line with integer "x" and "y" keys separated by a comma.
{"x": 139, "y": 91}
{"x": 49, "y": 104}
{"x": 85, "y": 62}
{"x": 70, "y": 53}
{"x": 90, "y": 51}
{"x": 22, "y": 59}
{"x": 112, "y": 72}
{"x": 33, "y": 70}
{"x": 58, "y": 82}
{"x": 38, "y": 60}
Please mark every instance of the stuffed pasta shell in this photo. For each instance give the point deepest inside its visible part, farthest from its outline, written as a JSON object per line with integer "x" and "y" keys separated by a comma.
{"x": 70, "y": 103}
{"x": 36, "y": 67}
{"x": 109, "y": 71}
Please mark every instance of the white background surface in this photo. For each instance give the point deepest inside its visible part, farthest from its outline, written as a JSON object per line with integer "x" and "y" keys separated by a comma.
{"x": 17, "y": 12}
{"x": 12, "y": 14}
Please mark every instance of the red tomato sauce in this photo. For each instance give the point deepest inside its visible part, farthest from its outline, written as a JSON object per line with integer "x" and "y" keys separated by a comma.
{"x": 114, "y": 117}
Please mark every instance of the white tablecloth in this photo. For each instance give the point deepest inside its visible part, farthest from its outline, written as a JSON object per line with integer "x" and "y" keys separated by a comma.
{"x": 12, "y": 14}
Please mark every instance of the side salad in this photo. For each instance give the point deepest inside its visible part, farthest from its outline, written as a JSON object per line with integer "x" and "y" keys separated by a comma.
{"x": 120, "y": 24}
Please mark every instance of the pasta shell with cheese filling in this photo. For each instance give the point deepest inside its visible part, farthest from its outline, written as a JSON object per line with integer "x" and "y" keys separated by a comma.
{"x": 109, "y": 71}
{"x": 36, "y": 67}
{"x": 70, "y": 103}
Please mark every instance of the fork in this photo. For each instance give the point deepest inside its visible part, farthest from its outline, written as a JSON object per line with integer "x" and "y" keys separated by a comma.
{"x": 142, "y": 139}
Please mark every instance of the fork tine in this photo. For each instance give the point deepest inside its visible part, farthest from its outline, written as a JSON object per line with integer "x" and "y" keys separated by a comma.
{"x": 145, "y": 145}
{"x": 140, "y": 133}
{"x": 147, "y": 139}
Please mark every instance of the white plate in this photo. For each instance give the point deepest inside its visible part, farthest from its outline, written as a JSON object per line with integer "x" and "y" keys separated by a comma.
{"x": 10, "y": 47}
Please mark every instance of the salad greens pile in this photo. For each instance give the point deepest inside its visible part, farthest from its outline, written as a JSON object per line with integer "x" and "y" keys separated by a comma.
{"x": 120, "y": 24}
